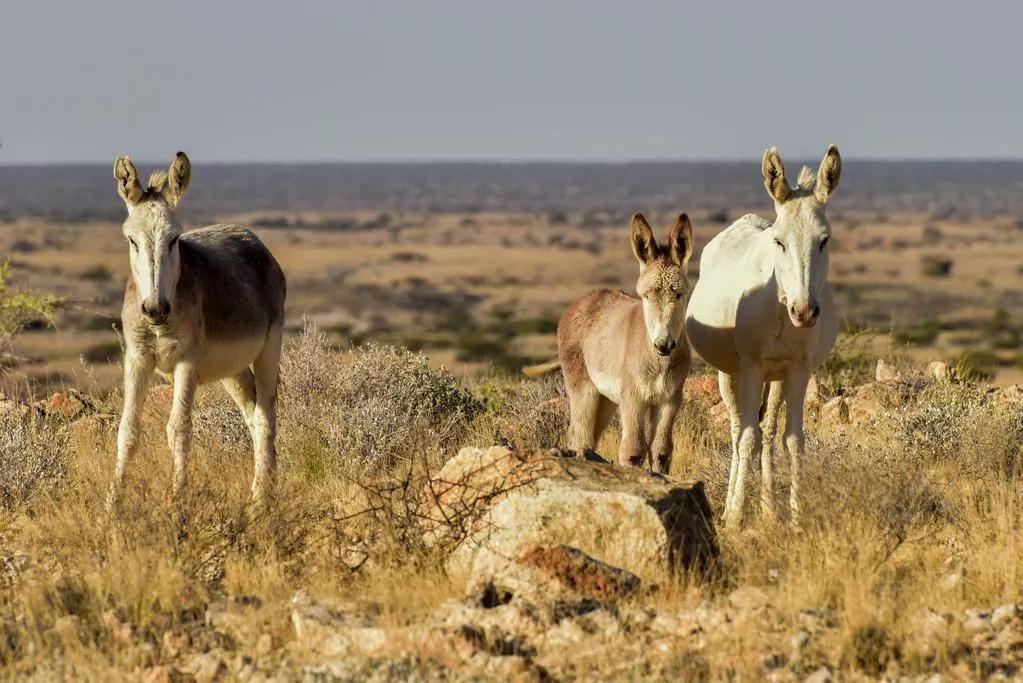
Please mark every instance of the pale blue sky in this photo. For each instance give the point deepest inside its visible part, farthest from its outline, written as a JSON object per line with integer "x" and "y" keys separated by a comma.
{"x": 473, "y": 79}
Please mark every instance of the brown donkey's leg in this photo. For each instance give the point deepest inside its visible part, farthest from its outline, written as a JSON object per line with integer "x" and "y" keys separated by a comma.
{"x": 584, "y": 405}
{"x": 663, "y": 446}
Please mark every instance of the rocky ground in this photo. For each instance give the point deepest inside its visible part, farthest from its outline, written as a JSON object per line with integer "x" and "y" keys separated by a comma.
{"x": 552, "y": 566}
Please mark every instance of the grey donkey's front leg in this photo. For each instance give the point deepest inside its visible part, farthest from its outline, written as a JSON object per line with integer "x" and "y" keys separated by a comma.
{"x": 663, "y": 445}
{"x": 179, "y": 426}
{"x": 138, "y": 368}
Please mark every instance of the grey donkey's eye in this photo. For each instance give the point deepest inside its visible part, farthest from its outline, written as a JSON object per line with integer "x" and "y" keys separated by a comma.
{"x": 174, "y": 240}
{"x": 824, "y": 243}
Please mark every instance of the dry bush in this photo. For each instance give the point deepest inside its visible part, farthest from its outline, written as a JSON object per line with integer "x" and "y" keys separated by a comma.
{"x": 370, "y": 406}
{"x": 33, "y": 456}
{"x": 522, "y": 413}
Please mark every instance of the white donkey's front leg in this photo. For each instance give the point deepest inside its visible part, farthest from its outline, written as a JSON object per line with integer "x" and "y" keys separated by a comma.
{"x": 795, "y": 394}
{"x": 138, "y": 368}
{"x": 751, "y": 383}
{"x": 768, "y": 429}
{"x": 179, "y": 426}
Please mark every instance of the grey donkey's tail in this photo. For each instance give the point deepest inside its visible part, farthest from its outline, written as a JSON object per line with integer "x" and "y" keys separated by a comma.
{"x": 541, "y": 369}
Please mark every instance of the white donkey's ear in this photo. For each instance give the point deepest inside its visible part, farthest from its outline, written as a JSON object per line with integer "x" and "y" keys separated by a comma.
{"x": 178, "y": 176}
{"x": 774, "y": 176}
{"x": 128, "y": 185}
{"x": 681, "y": 240}
{"x": 644, "y": 246}
{"x": 828, "y": 175}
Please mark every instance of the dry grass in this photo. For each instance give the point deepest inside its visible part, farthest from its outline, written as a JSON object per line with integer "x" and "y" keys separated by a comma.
{"x": 919, "y": 510}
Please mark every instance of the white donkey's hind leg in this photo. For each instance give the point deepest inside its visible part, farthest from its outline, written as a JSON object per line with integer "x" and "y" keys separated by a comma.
{"x": 138, "y": 370}
{"x": 728, "y": 389}
{"x": 179, "y": 426}
{"x": 266, "y": 371}
{"x": 769, "y": 428}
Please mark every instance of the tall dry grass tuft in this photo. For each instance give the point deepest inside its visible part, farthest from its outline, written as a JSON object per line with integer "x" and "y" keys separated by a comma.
{"x": 33, "y": 455}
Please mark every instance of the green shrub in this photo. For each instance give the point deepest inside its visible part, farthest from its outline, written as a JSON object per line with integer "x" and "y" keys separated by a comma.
{"x": 18, "y": 309}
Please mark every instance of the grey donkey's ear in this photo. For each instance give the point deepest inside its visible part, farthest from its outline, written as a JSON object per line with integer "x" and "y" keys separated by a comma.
{"x": 681, "y": 240}
{"x": 128, "y": 185}
{"x": 178, "y": 176}
{"x": 828, "y": 174}
{"x": 644, "y": 246}
{"x": 774, "y": 176}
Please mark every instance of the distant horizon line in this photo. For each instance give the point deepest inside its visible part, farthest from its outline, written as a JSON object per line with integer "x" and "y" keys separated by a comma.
{"x": 511, "y": 162}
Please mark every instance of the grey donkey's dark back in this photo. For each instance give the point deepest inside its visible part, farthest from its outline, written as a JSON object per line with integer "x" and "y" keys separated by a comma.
{"x": 235, "y": 278}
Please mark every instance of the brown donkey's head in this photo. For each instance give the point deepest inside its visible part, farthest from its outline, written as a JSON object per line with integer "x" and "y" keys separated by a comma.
{"x": 663, "y": 282}
{"x": 152, "y": 232}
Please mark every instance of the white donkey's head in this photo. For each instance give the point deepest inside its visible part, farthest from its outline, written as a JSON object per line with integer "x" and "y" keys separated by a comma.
{"x": 152, "y": 232}
{"x": 801, "y": 233}
{"x": 663, "y": 282}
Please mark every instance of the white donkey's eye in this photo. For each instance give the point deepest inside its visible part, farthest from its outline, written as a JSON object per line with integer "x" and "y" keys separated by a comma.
{"x": 132, "y": 243}
{"x": 780, "y": 245}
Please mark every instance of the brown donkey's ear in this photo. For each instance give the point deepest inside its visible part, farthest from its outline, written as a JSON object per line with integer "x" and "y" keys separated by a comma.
{"x": 128, "y": 185}
{"x": 828, "y": 175}
{"x": 774, "y": 176}
{"x": 681, "y": 240}
{"x": 178, "y": 176}
{"x": 643, "y": 244}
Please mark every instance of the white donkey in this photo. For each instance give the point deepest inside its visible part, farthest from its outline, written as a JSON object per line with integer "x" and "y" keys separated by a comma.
{"x": 201, "y": 306}
{"x": 763, "y": 312}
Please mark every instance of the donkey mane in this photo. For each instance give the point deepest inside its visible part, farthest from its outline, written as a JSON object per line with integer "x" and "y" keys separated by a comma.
{"x": 157, "y": 180}
{"x": 807, "y": 179}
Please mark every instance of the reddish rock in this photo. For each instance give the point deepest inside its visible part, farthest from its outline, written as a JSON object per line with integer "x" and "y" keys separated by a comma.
{"x": 703, "y": 391}
{"x": 580, "y": 574}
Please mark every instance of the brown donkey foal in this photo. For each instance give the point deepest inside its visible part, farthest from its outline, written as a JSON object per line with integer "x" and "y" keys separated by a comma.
{"x": 616, "y": 351}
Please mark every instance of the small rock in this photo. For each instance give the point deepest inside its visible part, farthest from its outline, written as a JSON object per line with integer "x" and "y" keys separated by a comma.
{"x": 158, "y": 674}
{"x": 813, "y": 391}
{"x": 206, "y": 667}
{"x": 1003, "y": 615}
{"x": 175, "y": 642}
{"x": 835, "y": 411}
{"x": 939, "y": 371}
{"x": 775, "y": 660}
{"x": 747, "y": 598}
{"x": 69, "y": 405}
{"x": 799, "y": 643}
{"x": 885, "y": 372}
{"x": 821, "y": 675}
{"x": 976, "y": 621}
{"x": 264, "y": 645}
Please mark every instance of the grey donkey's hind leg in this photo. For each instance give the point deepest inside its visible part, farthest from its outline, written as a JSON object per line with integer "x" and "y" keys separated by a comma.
{"x": 242, "y": 389}
{"x": 266, "y": 372}
{"x": 769, "y": 427}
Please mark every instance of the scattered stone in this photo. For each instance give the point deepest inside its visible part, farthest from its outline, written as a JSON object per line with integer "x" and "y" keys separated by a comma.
{"x": 205, "y": 667}
{"x": 68, "y": 405}
{"x": 821, "y": 675}
{"x": 976, "y": 621}
{"x": 158, "y": 674}
{"x": 1004, "y": 614}
{"x": 940, "y": 371}
{"x": 835, "y": 411}
{"x": 748, "y": 598}
{"x": 886, "y": 372}
{"x": 264, "y": 645}
{"x": 556, "y": 573}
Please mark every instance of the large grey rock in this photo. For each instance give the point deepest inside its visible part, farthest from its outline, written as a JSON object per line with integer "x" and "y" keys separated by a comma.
{"x": 494, "y": 505}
